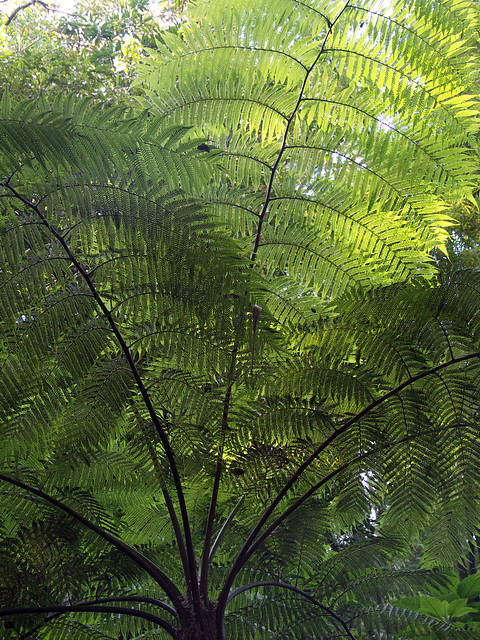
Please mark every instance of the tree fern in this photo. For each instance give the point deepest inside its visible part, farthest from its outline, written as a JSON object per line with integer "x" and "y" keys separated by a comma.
{"x": 224, "y": 345}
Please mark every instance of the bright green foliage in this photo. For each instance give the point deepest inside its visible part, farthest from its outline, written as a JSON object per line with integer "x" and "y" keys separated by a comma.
{"x": 91, "y": 51}
{"x": 464, "y": 245}
{"x": 456, "y": 604}
{"x": 309, "y": 103}
{"x": 224, "y": 345}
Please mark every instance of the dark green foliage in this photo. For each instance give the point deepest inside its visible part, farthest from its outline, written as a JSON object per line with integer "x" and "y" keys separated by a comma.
{"x": 234, "y": 387}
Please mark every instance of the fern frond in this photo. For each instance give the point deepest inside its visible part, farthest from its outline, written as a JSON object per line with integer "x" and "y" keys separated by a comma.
{"x": 341, "y": 95}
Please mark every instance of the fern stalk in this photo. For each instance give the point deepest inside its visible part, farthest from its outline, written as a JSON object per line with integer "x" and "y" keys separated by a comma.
{"x": 191, "y": 579}
{"x": 206, "y": 554}
{"x": 287, "y": 128}
{"x": 168, "y": 500}
{"x": 79, "y": 608}
{"x": 301, "y": 592}
{"x": 252, "y": 543}
{"x": 139, "y": 559}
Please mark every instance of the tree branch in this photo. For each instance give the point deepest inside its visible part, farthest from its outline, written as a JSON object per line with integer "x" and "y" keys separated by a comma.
{"x": 25, "y": 6}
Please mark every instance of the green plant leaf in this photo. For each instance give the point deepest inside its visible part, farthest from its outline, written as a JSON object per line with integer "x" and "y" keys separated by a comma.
{"x": 434, "y": 607}
{"x": 457, "y": 608}
{"x": 469, "y": 587}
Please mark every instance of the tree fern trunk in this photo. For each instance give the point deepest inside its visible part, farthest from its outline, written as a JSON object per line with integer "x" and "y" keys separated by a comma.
{"x": 206, "y": 626}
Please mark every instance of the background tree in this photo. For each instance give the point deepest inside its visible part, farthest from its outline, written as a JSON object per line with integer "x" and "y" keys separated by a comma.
{"x": 92, "y": 50}
{"x": 224, "y": 345}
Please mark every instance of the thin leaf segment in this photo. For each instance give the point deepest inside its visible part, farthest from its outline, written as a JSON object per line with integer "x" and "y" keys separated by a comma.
{"x": 224, "y": 341}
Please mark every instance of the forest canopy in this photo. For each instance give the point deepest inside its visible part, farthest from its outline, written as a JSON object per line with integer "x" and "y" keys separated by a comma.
{"x": 239, "y": 360}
